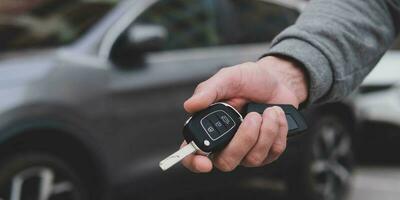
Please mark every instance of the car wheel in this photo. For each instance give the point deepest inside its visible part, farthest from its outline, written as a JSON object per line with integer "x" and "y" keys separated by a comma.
{"x": 39, "y": 176}
{"x": 326, "y": 162}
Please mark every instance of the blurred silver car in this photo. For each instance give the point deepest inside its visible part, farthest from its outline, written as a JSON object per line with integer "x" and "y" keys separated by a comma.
{"x": 377, "y": 103}
{"x": 92, "y": 91}
{"x": 379, "y": 96}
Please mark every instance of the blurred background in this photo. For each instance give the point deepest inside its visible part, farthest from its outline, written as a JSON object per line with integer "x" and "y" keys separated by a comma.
{"x": 91, "y": 95}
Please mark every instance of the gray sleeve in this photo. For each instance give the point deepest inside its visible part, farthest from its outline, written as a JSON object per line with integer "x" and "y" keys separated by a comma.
{"x": 338, "y": 42}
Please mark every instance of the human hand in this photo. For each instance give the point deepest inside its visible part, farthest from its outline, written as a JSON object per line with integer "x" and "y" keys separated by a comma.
{"x": 260, "y": 139}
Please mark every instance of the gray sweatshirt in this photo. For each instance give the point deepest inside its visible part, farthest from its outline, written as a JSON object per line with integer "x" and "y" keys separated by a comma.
{"x": 339, "y": 42}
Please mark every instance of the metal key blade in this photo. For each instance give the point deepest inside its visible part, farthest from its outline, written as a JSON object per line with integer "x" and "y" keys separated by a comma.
{"x": 178, "y": 156}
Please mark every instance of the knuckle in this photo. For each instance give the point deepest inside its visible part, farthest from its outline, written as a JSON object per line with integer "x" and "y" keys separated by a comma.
{"x": 224, "y": 70}
{"x": 277, "y": 150}
{"x": 229, "y": 74}
{"x": 249, "y": 138}
{"x": 270, "y": 129}
{"x": 254, "y": 160}
{"x": 270, "y": 124}
{"x": 254, "y": 118}
{"x": 249, "y": 64}
{"x": 270, "y": 114}
{"x": 200, "y": 86}
{"x": 282, "y": 122}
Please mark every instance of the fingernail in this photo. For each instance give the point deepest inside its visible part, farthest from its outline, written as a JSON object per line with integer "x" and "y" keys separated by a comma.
{"x": 268, "y": 110}
{"x": 275, "y": 111}
{"x": 254, "y": 117}
{"x": 278, "y": 110}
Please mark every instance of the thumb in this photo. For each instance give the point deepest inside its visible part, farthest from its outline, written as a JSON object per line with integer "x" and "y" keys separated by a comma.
{"x": 223, "y": 85}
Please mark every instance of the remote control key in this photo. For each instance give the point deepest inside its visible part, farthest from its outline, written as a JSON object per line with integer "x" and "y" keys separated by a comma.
{"x": 213, "y": 128}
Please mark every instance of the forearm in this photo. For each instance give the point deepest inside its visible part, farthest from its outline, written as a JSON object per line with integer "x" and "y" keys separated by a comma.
{"x": 338, "y": 42}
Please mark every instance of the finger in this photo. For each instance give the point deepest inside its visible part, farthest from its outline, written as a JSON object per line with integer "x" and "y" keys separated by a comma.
{"x": 197, "y": 163}
{"x": 223, "y": 85}
{"x": 245, "y": 138}
{"x": 268, "y": 132}
{"x": 279, "y": 145}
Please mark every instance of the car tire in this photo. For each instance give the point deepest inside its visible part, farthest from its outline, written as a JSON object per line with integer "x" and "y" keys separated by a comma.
{"x": 325, "y": 161}
{"x": 30, "y": 175}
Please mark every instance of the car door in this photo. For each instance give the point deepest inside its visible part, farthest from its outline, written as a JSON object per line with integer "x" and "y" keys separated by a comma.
{"x": 149, "y": 86}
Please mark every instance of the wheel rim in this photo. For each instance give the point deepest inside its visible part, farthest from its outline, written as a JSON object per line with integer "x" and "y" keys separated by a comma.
{"x": 331, "y": 166}
{"x": 40, "y": 183}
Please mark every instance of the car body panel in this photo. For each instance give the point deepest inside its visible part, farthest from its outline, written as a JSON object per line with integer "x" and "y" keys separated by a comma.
{"x": 382, "y": 103}
{"x": 385, "y": 70}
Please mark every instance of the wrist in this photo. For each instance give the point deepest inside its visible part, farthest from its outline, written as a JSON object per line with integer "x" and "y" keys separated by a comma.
{"x": 289, "y": 73}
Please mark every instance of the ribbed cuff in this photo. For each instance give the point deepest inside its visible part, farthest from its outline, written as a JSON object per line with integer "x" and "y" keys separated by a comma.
{"x": 315, "y": 64}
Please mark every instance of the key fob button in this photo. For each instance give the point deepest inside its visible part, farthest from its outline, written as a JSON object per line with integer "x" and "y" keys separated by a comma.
{"x": 217, "y": 124}
{"x": 225, "y": 120}
{"x": 209, "y": 128}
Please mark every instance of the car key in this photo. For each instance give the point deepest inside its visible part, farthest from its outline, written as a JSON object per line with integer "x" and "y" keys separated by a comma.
{"x": 211, "y": 129}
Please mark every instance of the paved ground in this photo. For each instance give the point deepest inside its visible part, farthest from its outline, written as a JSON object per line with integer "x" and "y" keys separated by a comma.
{"x": 376, "y": 183}
{"x": 369, "y": 183}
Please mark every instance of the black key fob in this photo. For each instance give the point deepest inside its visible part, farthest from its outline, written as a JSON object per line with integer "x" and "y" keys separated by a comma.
{"x": 213, "y": 128}
{"x": 296, "y": 122}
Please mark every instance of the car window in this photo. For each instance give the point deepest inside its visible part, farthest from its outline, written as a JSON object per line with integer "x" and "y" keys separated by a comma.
{"x": 47, "y": 23}
{"x": 183, "y": 24}
{"x": 258, "y": 21}
{"x": 189, "y": 23}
